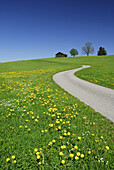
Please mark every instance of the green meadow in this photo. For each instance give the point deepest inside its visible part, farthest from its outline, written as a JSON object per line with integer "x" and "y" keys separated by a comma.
{"x": 43, "y": 127}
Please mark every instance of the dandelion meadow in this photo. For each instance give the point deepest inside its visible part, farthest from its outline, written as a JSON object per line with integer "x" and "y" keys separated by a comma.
{"x": 44, "y": 127}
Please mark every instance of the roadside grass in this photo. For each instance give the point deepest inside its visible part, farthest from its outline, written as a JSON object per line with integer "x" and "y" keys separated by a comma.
{"x": 44, "y": 127}
{"x": 100, "y": 73}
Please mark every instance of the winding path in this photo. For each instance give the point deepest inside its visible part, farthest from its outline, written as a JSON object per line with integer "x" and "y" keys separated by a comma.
{"x": 98, "y": 97}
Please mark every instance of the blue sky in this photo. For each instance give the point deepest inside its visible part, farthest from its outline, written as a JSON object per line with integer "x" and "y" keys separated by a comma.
{"x": 31, "y": 29}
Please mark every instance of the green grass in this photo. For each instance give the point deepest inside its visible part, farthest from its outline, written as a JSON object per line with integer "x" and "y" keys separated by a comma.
{"x": 101, "y": 72}
{"x": 39, "y": 118}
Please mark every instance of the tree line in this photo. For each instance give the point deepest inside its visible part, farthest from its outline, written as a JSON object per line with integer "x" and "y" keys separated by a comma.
{"x": 88, "y": 49}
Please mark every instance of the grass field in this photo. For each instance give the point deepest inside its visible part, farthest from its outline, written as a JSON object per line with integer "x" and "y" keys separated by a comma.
{"x": 44, "y": 127}
{"x": 101, "y": 73}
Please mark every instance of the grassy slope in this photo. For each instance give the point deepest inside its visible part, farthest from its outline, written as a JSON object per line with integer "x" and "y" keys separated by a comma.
{"x": 30, "y": 92}
{"x": 102, "y": 71}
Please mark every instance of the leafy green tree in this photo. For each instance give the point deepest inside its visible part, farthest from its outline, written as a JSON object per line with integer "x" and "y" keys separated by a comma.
{"x": 73, "y": 52}
{"x": 88, "y": 49}
{"x": 102, "y": 51}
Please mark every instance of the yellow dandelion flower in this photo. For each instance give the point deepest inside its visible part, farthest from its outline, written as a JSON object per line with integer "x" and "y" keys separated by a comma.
{"x": 53, "y": 140}
{"x": 53, "y": 115}
{"x": 63, "y": 147}
{"x": 68, "y": 133}
{"x": 71, "y": 155}
{"x": 82, "y": 155}
{"x": 35, "y": 150}
{"x": 76, "y": 147}
{"x": 38, "y": 156}
{"x": 37, "y": 153}
{"x": 61, "y": 137}
{"x": 14, "y": 161}
{"x": 7, "y": 159}
{"x": 60, "y": 153}
{"x": 13, "y": 157}
{"x": 51, "y": 125}
{"x": 36, "y": 120}
{"x": 89, "y": 152}
{"x": 57, "y": 121}
{"x": 73, "y": 149}
{"x": 63, "y": 161}
{"x": 50, "y": 143}
{"x": 78, "y": 153}
{"x": 107, "y": 147}
{"x": 79, "y": 138}
{"x": 76, "y": 157}
{"x": 39, "y": 163}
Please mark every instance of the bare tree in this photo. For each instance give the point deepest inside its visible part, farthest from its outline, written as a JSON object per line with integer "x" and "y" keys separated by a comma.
{"x": 88, "y": 49}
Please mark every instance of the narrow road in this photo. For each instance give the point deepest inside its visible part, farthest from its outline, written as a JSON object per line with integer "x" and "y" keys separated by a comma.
{"x": 98, "y": 97}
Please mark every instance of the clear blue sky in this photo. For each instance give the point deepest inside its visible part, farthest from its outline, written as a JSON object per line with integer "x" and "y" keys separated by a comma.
{"x": 31, "y": 29}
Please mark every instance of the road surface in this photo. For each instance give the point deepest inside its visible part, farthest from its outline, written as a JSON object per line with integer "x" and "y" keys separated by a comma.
{"x": 98, "y": 97}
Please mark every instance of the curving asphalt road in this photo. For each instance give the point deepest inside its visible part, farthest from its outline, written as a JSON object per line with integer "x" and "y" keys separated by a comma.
{"x": 98, "y": 97}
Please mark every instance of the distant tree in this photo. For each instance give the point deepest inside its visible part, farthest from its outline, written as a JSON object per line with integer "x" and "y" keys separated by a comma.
{"x": 102, "y": 51}
{"x": 73, "y": 52}
{"x": 88, "y": 49}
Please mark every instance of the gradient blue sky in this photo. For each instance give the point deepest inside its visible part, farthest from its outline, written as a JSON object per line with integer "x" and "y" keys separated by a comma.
{"x": 31, "y": 29}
